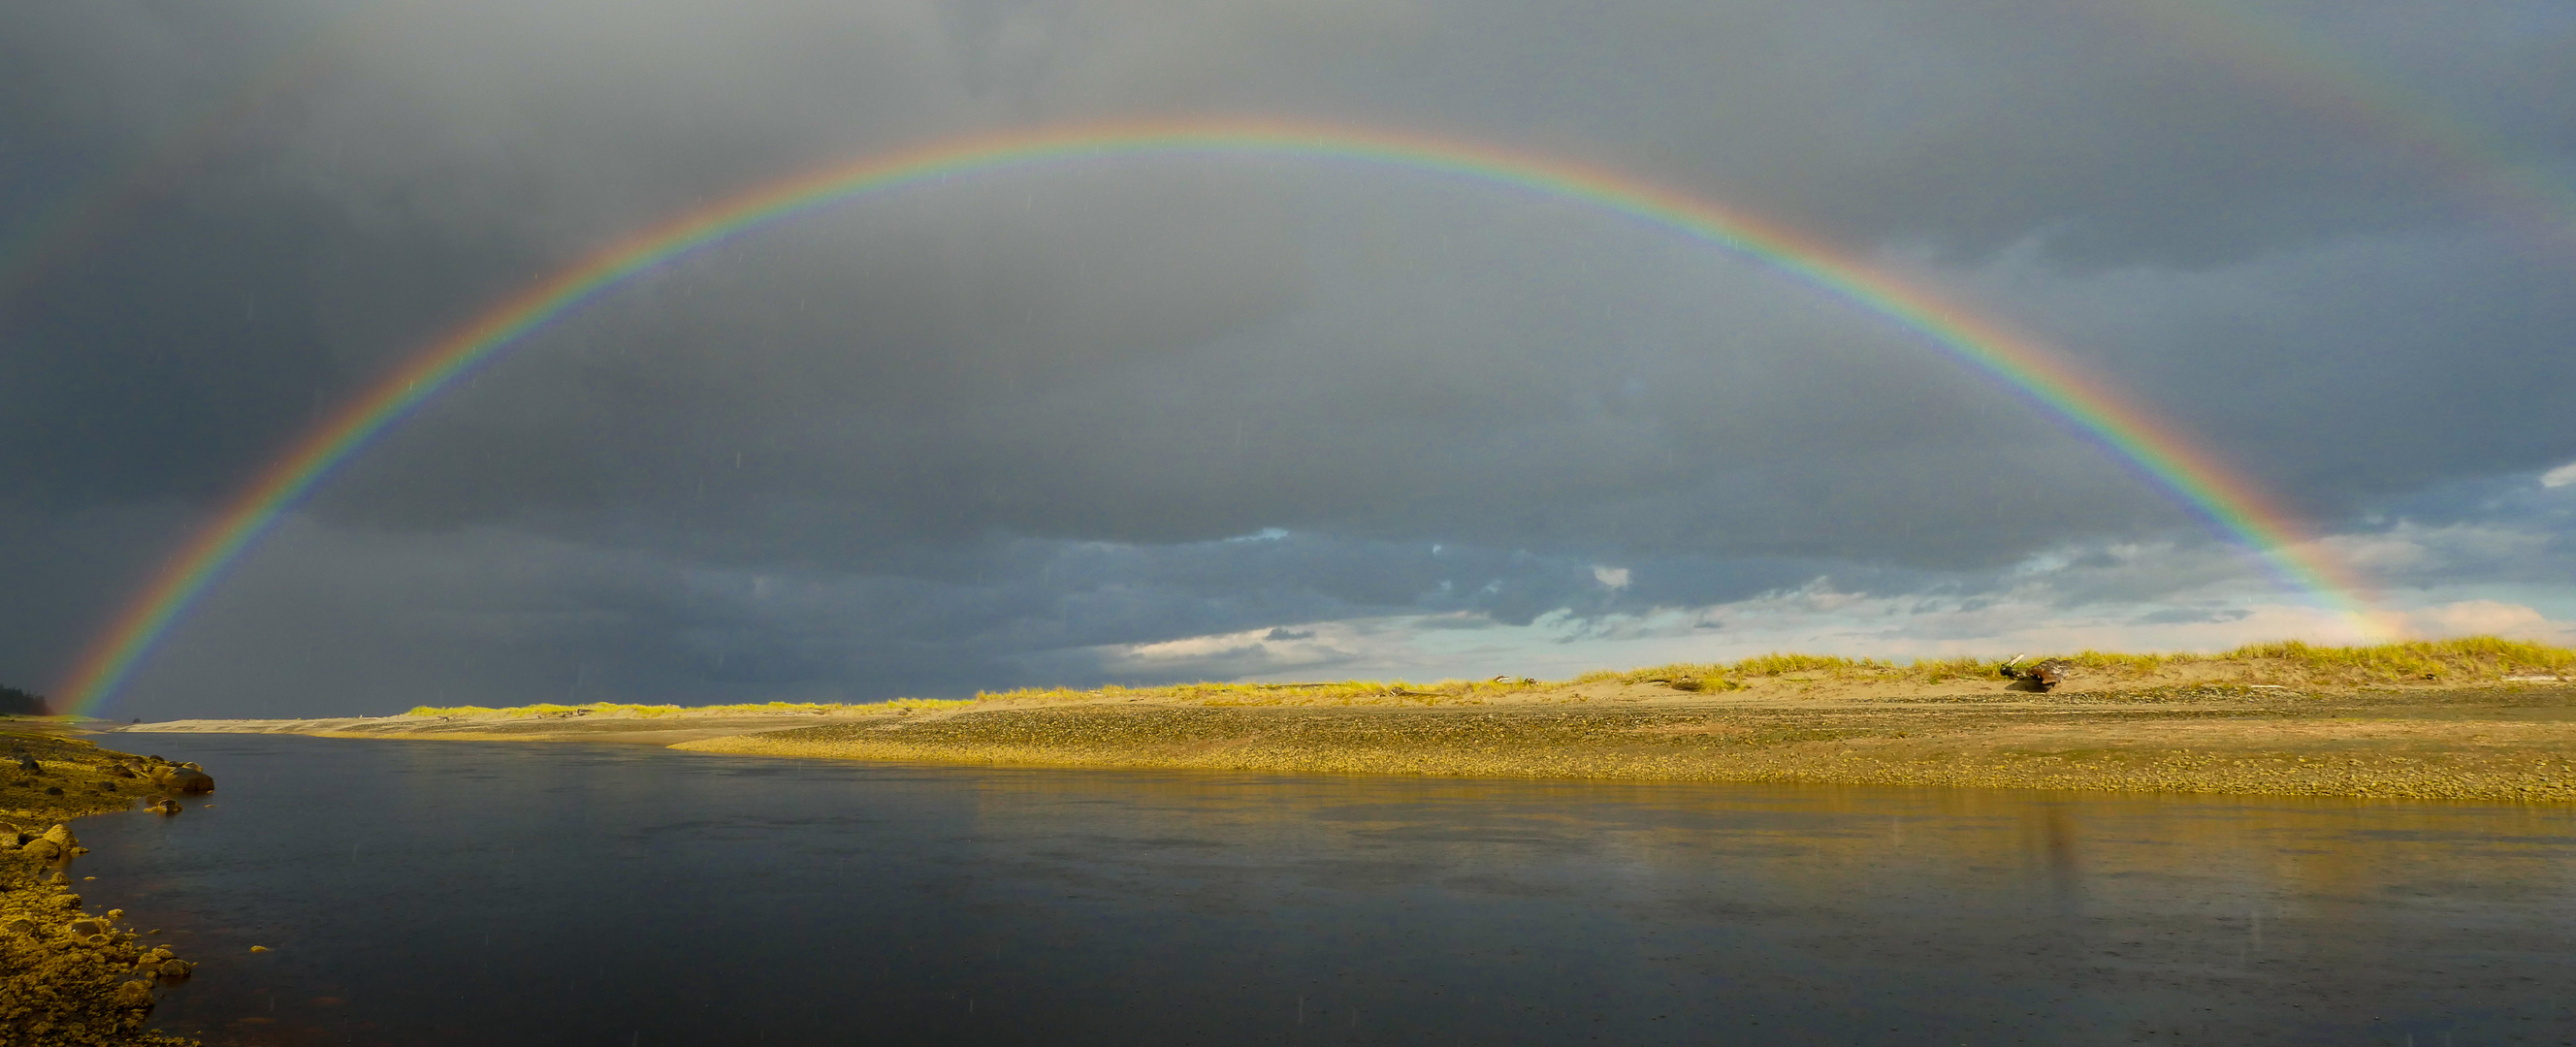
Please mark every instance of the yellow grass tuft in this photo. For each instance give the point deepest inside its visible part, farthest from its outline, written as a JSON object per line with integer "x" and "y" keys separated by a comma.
{"x": 2466, "y": 660}
{"x": 2471, "y": 658}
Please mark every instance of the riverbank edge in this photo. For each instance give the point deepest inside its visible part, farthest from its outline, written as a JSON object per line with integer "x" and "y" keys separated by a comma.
{"x": 2499, "y": 742}
{"x": 1938, "y": 761}
{"x": 56, "y": 987}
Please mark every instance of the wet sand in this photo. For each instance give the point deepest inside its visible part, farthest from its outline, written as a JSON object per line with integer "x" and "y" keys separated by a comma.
{"x": 619, "y": 728}
{"x": 2499, "y": 742}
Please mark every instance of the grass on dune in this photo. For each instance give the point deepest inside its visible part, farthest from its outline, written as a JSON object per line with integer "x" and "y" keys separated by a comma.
{"x": 1726, "y": 676}
{"x": 2466, "y": 660}
{"x": 2475, "y": 659}
{"x": 1345, "y": 692}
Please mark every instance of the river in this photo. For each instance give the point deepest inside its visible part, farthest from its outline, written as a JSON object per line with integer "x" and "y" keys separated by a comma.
{"x": 496, "y": 893}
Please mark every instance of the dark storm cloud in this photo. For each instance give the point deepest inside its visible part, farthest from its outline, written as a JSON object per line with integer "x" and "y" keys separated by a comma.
{"x": 488, "y": 615}
{"x": 1202, "y": 386}
{"x": 887, "y": 418}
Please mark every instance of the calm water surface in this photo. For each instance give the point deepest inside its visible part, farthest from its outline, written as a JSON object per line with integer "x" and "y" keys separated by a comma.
{"x": 446, "y": 892}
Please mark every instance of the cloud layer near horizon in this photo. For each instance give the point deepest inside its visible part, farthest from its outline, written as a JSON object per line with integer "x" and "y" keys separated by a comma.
{"x": 1005, "y": 430}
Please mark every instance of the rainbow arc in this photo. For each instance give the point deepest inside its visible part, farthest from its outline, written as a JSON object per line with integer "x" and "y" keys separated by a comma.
{"x": 2230, "y": 504}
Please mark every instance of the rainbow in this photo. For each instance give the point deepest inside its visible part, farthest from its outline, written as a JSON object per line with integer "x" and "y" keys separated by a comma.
{"x": 2226, "y": 501}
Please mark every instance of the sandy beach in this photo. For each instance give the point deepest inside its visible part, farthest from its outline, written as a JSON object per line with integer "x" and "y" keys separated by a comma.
{"x": 2202, "y": 728}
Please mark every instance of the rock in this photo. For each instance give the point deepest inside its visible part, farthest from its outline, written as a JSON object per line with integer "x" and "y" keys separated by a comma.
{"x": 86, "y": 926}
{"x": 176, "y": 970}
{"x": 120, "y": 770}
{"x": 58, "y": 878}
{"x": 28, "y": 764}
{"x": 183, "y": 779}
{"x": 162, "y": 805}
{"x": 21, "y": 927}
{"x": 134, "y": 994}
{"x": 62, "y": 836}
{"x": 43, "y": 850}
{"x": 259, "y": 948}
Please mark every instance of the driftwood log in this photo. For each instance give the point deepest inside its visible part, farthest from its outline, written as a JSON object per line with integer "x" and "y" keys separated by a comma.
{"x": 2040, "y": 675}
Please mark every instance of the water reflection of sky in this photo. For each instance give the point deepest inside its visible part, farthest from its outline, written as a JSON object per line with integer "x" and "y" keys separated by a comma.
{"x": 454, "y": 892}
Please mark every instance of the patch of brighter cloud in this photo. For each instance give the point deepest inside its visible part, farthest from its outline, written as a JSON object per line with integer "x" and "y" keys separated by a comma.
{"x": 1614, "y": 577}
{"x": 2487, "y": 618}
{"x": 1816, "y": 619}
{"x": 2559, "y": 477}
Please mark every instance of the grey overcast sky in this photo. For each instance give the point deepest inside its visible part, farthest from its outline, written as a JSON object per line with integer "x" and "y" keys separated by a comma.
{"x": 1146, "y": 420}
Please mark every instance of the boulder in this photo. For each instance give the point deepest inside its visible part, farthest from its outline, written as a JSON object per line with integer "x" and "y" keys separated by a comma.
{"x": 176, "y": 970}
{"x": 183, "y": 779}
{"x": 62, "y": 835}
{"x": 23, "y": 928}
{"x": 44, "y": 850}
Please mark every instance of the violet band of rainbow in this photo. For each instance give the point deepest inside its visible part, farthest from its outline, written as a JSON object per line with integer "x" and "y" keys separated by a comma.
{"x": 2157, "y": 451}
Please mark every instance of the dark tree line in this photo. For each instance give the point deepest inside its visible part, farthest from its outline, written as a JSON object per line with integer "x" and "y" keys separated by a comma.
{"x": 14, "y": 702}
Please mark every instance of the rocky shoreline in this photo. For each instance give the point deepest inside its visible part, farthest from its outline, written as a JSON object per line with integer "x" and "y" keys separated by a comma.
{"x": 68, "y": 976}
